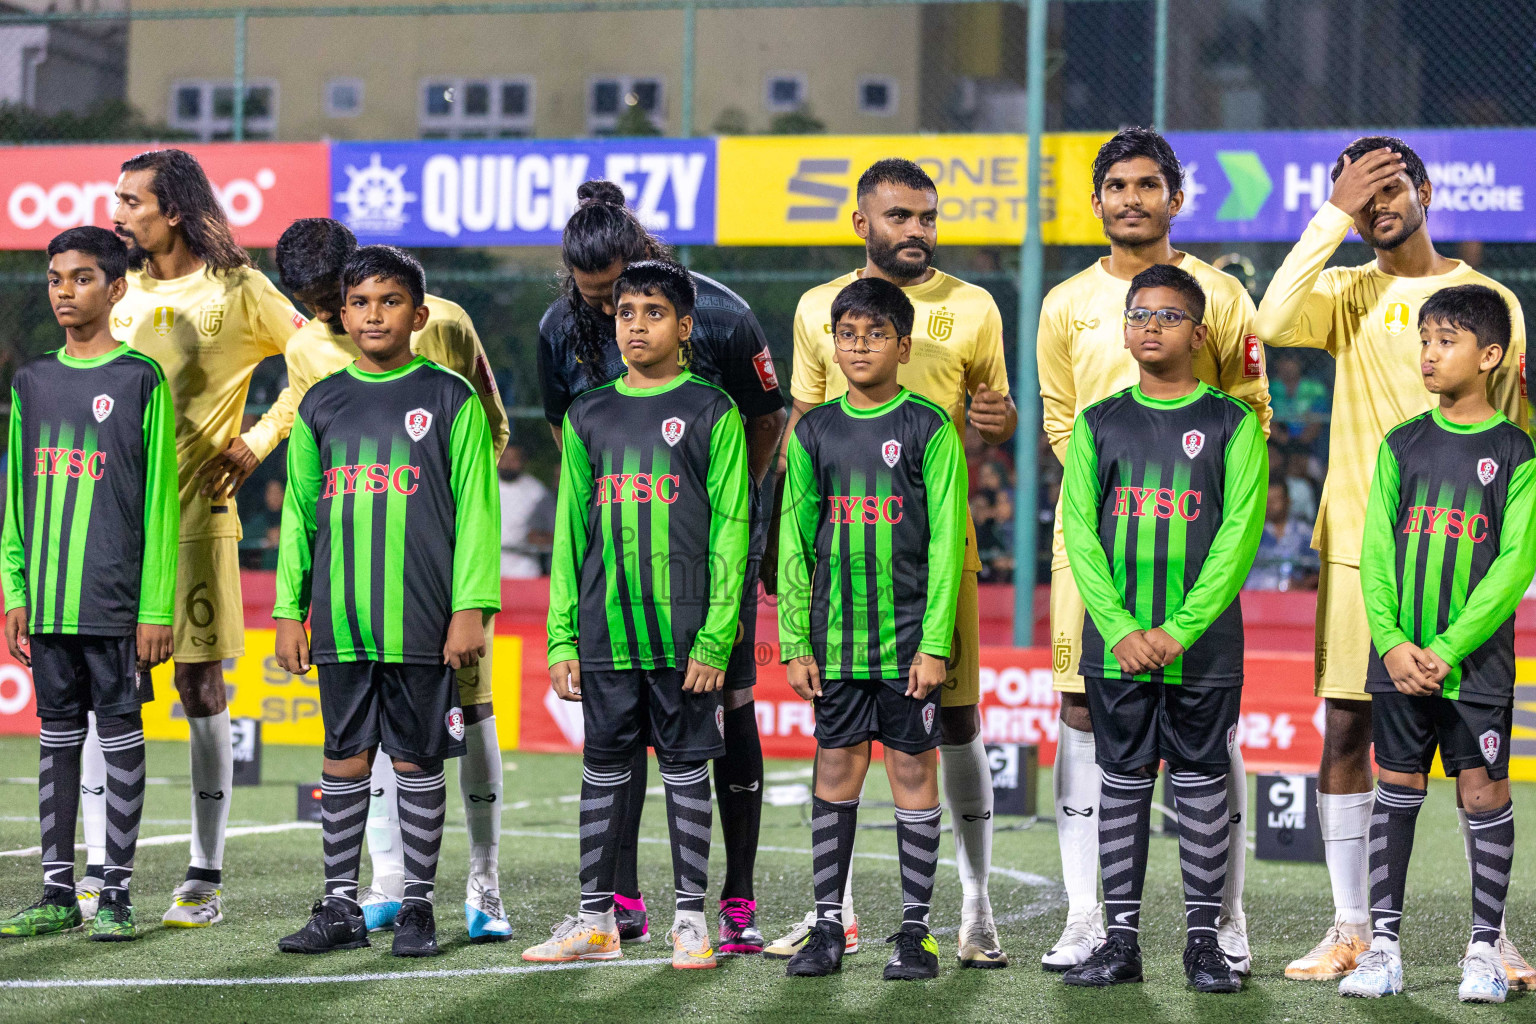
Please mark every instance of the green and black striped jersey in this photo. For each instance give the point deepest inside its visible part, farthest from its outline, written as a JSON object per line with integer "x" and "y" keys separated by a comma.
{"x": 91, "y": 515}
{"x": 1163, "y": 503}
{"x": 651, "y": 527}
{"x": 872, "y": 539}
{"x": 1449, "y": 549}
{"x": 391, "y": 520}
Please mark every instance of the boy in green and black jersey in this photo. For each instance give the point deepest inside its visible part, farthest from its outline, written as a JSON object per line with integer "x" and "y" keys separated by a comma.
{"x": 1448, "y": 551}
{"x": 89, "y": 566}
{"x": 390, "y": 535}
{"x": 1163, "y": 502}
{"x": 871, "y": 546}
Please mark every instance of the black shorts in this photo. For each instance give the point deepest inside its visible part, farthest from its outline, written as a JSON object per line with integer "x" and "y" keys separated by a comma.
{"x": 411, "y": 712}
{"x": 73, "y": 674}
{"x": 1407, "y": 730}
{"x": 851, "y": 711}
{"x": 1139, "y": 724}
{"x": 741, "y": 670}
{"x": 621, "y": 710}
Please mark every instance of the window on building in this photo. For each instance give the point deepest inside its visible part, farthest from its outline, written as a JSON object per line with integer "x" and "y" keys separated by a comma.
{"x": 610, "y": 95}
{"x": 783, "y": 92}
{"x": 476, "y": 108}
{"x": 877, "y": 96}
{"x": 344, "y": 97}
{"x": 206, "y": 109}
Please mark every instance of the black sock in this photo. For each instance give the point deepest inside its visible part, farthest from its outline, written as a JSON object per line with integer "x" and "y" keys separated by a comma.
{"x": 423, "y": 799}
{"x": 739, "y": 791}
{"x": 1201, "y": 802}
{"x": 832, "y": 829}
{"x": 1391, "y": 844}
{"x": 58, "y": 802}
{"x": 690, "y": 816}
{"x": 122, "y": 746}
{"x": 626, "y": 879}
{"x": 604, "y": 788}
{"x": 1125, "y": 823}
{"x": 1493, "y": 852}
{"x": 917, "y": 848}
{"x": 344, "y": 818}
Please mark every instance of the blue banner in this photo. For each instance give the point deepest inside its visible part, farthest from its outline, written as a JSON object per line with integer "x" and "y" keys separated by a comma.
{"x": 1265, "y": 186}
{"x": 515, "y": 192}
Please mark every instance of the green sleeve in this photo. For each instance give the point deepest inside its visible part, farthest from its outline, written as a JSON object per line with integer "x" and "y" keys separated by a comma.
{"x": 1080, "y": 501}
{"x": 162, "y": 510}
{"x": 13, "y": 557}
{"x": 727, "y": 484}
{"x": 570, "y": 547}
{"x": 1378, "y": 554}
{"x": 944, "y": 479}
{"x": 797, "y": 551}
{"x": 1498, "y": 593}
{"x": 1237, "y": 538}
{"x": 296, "y": 545}
{"x": 477, "y": 511}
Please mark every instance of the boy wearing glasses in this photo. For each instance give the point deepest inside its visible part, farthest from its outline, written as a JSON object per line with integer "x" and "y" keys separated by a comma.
{"x": 1163, "y": 502}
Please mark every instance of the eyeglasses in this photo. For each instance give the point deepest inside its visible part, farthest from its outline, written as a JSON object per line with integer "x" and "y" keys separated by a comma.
{"x": 1138, "y": 317}
{"x": 874, "y": 341}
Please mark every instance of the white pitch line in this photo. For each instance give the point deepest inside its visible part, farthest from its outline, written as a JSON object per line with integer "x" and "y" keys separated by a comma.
{"x": 185, "y": 837}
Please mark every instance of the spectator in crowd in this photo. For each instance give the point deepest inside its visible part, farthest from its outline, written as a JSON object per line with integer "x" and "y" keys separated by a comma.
{"x": 1302, "y": 474}
{"x": 527, "y": 517}
{"x": 263, "y": 526}
{"x": 992, "y": 509}
{"x": 1286, "y": 560}
{"x": 1300, "y": 403}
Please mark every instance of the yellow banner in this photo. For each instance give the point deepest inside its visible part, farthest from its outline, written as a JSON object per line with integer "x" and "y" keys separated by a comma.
{"x": 288, "y": 706}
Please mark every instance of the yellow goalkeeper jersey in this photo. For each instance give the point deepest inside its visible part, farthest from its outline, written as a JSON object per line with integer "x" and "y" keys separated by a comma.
{"x": 1369, "y": 322}
{"x": 207, "y": 330}
{"x": 448, "y": 339}
{"x": 1080, "y": 349}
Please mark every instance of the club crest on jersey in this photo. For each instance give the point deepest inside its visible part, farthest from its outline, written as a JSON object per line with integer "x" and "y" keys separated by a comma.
{"x": 1488, "y": 743}
{"x": 1396, "y": 318}
{"x": 454, "y": 720}
{"x": 1231, "y": 737}
{"x": 720, "y": 721}
{"x": 101, "y": 407}
{"x": 417, "y": 423}
{"x": 210, "y": 319}
{"x": 165, "y": 319}
{"x": 891, "y": 452}
{"x": 672, "y": 431}
{"x": 928, "y": 719}
{"x": 1061, "y": 653}
{"x": 1194, "y": 442}
{"x": 1486, "y": 470}
{"x": 941, "y": 324}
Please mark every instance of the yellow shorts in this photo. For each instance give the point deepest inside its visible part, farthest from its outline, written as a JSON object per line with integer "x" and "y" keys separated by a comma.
{"x": 1343, "y": 635}
{"x": 962, "y": 683}
{"x": 475, "y": 680}
{"x": 1067, "y": 614}
{"x": 210, "y": 615}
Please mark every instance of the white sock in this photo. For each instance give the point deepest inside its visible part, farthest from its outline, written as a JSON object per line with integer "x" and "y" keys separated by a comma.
{"x": 93, "y": 796}
{"x": 603, "y": 922}
{"x": 480, "y": 785}
{"x": 968, "y": 792}
{"x": 1237, "y": 836}
{"x": 1382, "y": 944}
{"x": 1075, "y": 784}
{"x": 1466, "y": 841}
{"x": 213, "y": 777}
{"x": 385, "y": 849}
{"x": 1345, "y": 819}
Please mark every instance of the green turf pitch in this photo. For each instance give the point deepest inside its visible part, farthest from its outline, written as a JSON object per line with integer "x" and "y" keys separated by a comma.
{"x": 272, "y": 877}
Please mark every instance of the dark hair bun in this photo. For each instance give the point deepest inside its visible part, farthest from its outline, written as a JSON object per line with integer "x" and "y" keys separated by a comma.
{"x": 600, "y": 193}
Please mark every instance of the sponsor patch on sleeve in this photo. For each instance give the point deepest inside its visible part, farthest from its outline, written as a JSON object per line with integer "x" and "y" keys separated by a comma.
{"x": 484, "y": 375}
{"x": 763, "y": 364}
{"x": 1253, "y": 357}
{"x": 298, "y": 320}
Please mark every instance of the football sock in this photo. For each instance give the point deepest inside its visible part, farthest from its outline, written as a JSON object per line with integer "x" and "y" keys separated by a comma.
{"x": 690, "y": 815}
{"x": 423, "y": 807}
{"x": 1466, "y": 838}
{"x": 1395, "y": 810}
{"x": 93, "y": 801}
{"x": 627, "y": 877}
{"x": 1125, "y": 827}
{"x": 1344, "y": 819}
{"x": 739, "y": 791}
{"x": 213, "y": 776}
{"x": 1493, "y": 851}
{"x": 1237, "y": 835}
{"x": 1075, "y": 785}
{"x": 968, "y": 792}
{"x": 384, "y": 843}
{"x": 604, "y": 789}
{"x": 58, "y": 801}
{"x": 343, "y": 820}
{"x": 122, "y": 748}
{"x": 480, "y": 785}
{"x": 1204, "y": 846}
{"x": 832, "y": 828}
{"x": 917, "y": 849}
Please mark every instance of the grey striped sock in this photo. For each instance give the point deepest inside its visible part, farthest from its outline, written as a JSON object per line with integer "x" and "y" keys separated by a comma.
{"x": 1201, "y": 802}
{"x": 122, "y": 747}
{"x": 1393, "y": 815}
{"x": 1125, "y": 822}
{"x": 343, "y": 821}
{"x": 832, "y": 829}
{"x": 690, "y": 816}
{"x": 58, "y": 801}
{"x": 1493, "y": 853}
{"x": 604, "y": 799}
{"x": 423, "y": 806}
{"x": 917, "y": 848}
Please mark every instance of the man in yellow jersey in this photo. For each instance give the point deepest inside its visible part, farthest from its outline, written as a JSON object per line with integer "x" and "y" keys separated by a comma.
{"x": 1366, "y": 317}
{"x": 198, "y": 308}
{"x": 957, "y": 349}
{"x": 1137, "y": 192}
{"x": 310, "y": 255}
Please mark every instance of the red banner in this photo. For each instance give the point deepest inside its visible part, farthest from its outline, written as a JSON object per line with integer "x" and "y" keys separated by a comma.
{"x": 264, "y": 187}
